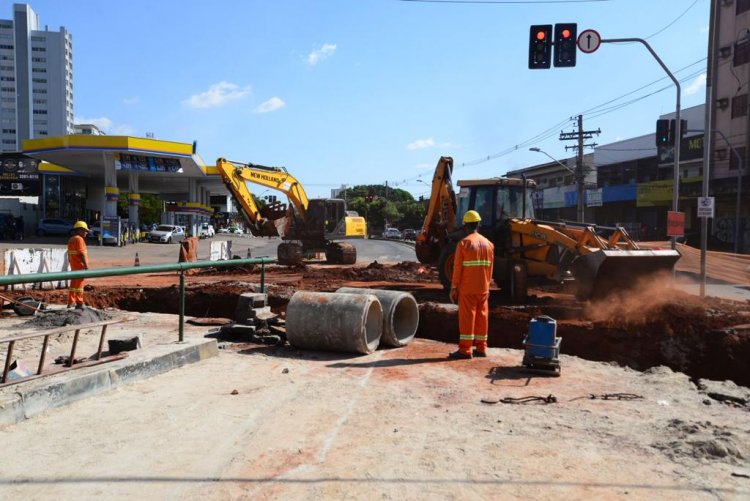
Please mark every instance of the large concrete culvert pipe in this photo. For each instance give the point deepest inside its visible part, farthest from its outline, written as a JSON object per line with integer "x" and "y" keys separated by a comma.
{"x": 400, "y": 314}
{"x": 335, "y": 322}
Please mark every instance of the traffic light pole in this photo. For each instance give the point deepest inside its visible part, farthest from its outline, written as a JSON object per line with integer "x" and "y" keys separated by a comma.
{"x": 677, "y": 125}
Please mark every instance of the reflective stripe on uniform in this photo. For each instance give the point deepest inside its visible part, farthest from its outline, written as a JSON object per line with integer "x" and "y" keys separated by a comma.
{"x": 479, "y": 262}
{"x": 480, "y": 338}
{"x": 469, "y": 337}
{"x": 74, "y": 290}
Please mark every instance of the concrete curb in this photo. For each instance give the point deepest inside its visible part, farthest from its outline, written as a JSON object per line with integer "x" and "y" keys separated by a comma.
{"x": 26, "y": 400}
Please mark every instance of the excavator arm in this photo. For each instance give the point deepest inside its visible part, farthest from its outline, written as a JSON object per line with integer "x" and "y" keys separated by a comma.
{"x": 236, "y": 175}
{"x": 441, "y": 214}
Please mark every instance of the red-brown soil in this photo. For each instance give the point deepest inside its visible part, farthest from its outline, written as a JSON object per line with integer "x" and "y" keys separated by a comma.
{"x": 703, "y": 337}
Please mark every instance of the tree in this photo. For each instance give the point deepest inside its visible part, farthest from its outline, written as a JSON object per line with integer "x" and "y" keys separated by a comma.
{"x": 398, "y": 209}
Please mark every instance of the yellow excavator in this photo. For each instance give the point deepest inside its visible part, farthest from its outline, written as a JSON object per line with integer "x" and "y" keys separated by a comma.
{"x": 306, "y": 225}
{"x": 599, "y": 259}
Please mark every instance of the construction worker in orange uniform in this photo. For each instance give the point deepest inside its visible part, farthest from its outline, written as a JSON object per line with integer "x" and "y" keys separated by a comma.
{"x": 470, "y": 288}
{"x": 79, "y": 260}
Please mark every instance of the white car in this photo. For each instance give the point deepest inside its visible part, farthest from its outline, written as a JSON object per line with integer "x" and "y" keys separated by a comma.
{"x": 206, "y": 231}
{"x": 392, "y": 234}
{"x": 223, "y": 230}
{"x": 166, "y": 233}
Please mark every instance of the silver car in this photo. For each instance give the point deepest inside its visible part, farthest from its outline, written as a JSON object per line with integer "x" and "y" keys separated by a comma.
{"x": 166, "y": 233}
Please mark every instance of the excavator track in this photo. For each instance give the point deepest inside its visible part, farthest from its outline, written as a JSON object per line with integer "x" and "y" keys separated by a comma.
{"x": 341, "y": 253}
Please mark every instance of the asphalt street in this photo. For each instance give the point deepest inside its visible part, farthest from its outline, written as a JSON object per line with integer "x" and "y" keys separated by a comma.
{"x": 384, "y": 251}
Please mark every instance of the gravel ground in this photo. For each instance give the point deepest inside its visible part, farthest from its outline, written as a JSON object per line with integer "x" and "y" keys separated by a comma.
{"x": 272, "y": 422}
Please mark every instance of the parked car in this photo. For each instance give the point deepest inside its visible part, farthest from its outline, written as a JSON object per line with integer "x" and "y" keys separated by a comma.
{"x": 409, "y": 234}
{"x": 392, "y": 234}
{"x": 223, "y": 230}
{"x": 235, "y": 230}
{"x": 206, "y": 231}
{"x": 167, "y": 233}
{"x": 49, "y": 226}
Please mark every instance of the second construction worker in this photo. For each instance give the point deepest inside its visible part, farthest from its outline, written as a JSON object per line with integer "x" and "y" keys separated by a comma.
{"x": 470, "y": 288}
{"x": 79, "y": 260}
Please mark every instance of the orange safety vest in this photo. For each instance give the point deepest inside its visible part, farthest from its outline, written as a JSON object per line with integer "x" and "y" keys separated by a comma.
{"x": 77, "y": 253}
{"x": 472, "y": 265}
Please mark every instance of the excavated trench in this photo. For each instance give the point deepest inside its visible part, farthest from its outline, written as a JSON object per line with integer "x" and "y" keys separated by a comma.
{"x": 704, "y": 338}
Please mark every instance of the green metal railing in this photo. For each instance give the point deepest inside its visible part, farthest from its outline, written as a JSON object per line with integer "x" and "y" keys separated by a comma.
{"x": 140, "y": 270}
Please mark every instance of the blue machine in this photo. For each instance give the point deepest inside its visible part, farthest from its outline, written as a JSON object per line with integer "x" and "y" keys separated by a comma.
{"x": 542, "y": 346}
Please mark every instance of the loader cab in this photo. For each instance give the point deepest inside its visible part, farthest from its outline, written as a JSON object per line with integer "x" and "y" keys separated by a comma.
{"x": 496, "y": 200}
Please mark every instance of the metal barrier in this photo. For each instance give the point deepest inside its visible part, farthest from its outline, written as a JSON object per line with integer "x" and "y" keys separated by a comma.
{"x": 140, "y": 270}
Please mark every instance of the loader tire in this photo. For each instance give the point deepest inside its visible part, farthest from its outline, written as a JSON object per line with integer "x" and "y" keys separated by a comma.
{"x": 289, "y": 254}
{"x": 445, "y": 265}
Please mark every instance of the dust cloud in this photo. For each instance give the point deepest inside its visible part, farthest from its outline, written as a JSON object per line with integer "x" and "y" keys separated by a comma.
{"x": 640, "y": 303}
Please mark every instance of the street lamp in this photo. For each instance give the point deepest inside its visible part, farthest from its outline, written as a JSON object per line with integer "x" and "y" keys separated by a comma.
{"x": 579, "y": 182}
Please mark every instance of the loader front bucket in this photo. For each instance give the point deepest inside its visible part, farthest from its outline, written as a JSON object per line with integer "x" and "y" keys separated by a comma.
{"x": 605, "y": 271}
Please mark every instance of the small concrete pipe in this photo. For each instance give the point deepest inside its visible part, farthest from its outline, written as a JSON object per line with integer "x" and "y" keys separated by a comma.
{"x": 400, "y": 314}
{"x": 335, "y": 322}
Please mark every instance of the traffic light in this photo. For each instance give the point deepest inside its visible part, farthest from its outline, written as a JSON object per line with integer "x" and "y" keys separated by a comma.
{"x": 565, "y": 45}
{"x": 663, "y": 136}
{"x": 540, "y": 40}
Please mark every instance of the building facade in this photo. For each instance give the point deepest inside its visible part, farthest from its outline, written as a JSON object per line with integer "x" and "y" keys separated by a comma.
{"x": 36, "y": 80}
{"x": 730, "y": 119}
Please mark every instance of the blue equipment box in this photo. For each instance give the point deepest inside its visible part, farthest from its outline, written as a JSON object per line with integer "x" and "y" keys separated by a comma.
{"x": 540, "y": 341}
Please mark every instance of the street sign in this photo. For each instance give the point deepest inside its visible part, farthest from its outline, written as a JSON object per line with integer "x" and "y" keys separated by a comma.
{"x": 589, "y": 41}
{"x": 706, "y": 207}
{"x": 675, "y": 224}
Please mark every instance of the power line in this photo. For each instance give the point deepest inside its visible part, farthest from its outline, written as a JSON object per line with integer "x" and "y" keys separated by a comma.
{"x": 675, "y": 20}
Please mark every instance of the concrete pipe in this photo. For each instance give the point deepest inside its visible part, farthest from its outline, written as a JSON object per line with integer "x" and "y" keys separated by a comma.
{"x": 400, "y": 314}
{"x": 335, "y": 322}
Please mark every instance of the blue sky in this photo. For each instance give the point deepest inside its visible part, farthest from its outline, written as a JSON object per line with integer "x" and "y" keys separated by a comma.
{"x": 364, "y": 91}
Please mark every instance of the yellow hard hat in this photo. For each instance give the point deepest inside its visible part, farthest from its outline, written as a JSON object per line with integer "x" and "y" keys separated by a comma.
{"x": 472, "y": 216}
{"x": 81, "y": 224}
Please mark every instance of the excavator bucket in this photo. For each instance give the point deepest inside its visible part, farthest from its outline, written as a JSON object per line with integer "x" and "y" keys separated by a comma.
{"x": 602, "y": 272}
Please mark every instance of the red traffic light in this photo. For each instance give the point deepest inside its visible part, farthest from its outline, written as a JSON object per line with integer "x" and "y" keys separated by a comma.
{"x": 541, "y": 35}
{"x": 566, "y": 33}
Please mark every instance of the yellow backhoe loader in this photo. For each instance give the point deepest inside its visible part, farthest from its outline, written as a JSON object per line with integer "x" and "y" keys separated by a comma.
{"x": 599, "y": 259}
{"x": 306, "y": 225}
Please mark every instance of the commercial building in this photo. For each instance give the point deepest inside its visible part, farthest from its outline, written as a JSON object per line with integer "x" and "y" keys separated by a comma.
{"x": 36, "y": 80}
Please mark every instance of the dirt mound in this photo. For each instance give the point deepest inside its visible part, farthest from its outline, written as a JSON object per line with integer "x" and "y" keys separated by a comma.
{"x": 60, "y": 318}
{"x": 703, "y": 440}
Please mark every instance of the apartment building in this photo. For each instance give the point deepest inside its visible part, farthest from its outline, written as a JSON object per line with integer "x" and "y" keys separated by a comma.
{"x": 36, "y": 79}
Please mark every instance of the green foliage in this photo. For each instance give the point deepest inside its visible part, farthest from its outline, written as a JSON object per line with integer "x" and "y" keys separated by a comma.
{"x": 398, "y": 208}
{"x": 149, "y": 211}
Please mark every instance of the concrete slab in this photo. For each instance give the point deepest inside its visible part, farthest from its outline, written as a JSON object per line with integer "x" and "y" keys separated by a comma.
{"x": 25, "y": 400}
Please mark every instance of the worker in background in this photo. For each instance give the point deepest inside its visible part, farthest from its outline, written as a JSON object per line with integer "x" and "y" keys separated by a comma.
{"x": 79, "y": 260}
{"x": 470, "y": 288}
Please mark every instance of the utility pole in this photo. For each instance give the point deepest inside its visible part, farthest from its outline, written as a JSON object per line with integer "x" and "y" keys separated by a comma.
{"x": 580, "y": 173}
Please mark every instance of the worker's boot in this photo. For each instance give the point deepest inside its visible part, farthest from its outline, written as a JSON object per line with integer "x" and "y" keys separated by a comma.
{"x": 457, "y": 355}
{"x": 79, "y": 306}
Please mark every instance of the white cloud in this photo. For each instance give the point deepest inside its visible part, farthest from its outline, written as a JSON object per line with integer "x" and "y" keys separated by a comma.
{"x": 704, "y": 29}
{"x": 421, "y": 144}
{"x": 273, "y": 104}
{"x": 424, "y": 166}
{"x": 132, "y": 100}
{"x": 698, "y": 84}
{"x": 108, "y": 126}
{"x": 318, "y": 55}
{"x": 218, "y": 95}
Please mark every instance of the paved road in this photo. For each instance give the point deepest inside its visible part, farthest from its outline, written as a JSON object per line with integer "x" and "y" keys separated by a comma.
{"x": 148, "y": 253}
